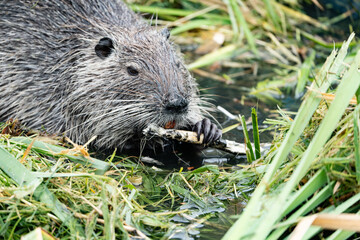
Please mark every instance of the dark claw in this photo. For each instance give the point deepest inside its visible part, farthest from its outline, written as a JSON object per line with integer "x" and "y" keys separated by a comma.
{"x": 197, "y": 129}
{"x": 210, "y": 131}
{"x": 206, "y": 125}
{"x": 210, "y": 137}
{"x": 218, "y": 135}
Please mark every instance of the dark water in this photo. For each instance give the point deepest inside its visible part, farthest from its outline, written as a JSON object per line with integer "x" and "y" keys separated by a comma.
{"x": 333, "y": 9}
{"x": 227, "y": 96}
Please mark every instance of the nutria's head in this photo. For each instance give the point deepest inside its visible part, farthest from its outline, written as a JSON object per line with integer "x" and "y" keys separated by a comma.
{"x": 125, "y": 80}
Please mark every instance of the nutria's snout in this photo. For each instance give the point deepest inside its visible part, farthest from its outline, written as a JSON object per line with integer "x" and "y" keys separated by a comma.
{"x": 178, "y": 105}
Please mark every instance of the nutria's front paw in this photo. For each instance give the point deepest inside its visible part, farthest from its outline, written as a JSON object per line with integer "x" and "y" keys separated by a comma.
{"x": 211, "y": 132}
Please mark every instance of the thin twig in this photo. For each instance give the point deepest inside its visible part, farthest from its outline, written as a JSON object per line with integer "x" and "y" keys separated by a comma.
{"x": 191, "y": 137}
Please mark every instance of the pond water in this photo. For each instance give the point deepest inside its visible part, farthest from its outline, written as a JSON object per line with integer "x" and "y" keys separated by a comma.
{"x": 227, "y": 96}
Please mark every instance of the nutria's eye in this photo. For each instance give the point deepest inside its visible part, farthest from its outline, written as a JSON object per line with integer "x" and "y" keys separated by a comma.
{"x": 132, "y": 71}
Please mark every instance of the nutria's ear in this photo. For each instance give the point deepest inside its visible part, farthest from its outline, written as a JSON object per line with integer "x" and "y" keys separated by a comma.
{"x": 104, "y": 47}
{"x": 165, "y": 32}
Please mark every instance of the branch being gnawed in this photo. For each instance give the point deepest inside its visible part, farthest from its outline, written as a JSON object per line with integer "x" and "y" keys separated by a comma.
{"x": 191, "y": 137}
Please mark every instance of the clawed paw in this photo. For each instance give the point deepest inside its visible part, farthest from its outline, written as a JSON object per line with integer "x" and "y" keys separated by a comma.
{"x": 211, "y": 132}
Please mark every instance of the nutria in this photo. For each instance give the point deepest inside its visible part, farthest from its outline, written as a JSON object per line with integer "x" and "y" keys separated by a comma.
{"x": 87, "y": 68}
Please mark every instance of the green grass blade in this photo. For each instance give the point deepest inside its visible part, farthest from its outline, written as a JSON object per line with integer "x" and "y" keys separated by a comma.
{"x": 14, "y": 169}
{"x": 306, "y": 110}
{"x": 234, "y": 24}
{"x": 303, "y": 76}
{"x": 161, "y": 11}
{"x": 255, "y": 133}
{"x": 271, "y": 12}
{"x": 358, "y": 96}
{"x": 220, "y": 54}
{"x": 357, "y": 143}
{"x": 242, "y": 22}
{"x": 196, "y": 24}
{"x": 324, "y": 44}
{"x": 249, "y": 152}
{"x": 108, "y": 228}
{"x": 340, "y": 235}
{"x": 55, "y": 151}
{"x": 175, "y": 12}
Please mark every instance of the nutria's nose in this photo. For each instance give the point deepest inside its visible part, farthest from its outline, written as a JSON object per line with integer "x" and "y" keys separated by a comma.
{"x": 177, "y": 105}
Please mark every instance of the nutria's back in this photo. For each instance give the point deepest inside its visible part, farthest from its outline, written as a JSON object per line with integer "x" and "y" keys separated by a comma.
{"x": 91, "y": 68}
